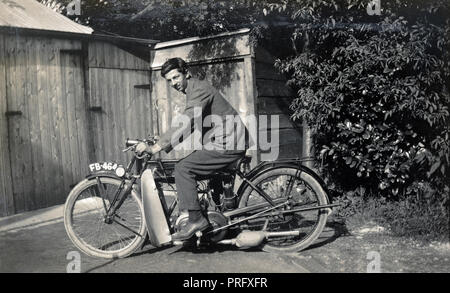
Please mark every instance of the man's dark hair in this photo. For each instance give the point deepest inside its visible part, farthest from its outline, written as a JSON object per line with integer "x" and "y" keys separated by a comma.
{"x": 174, "y": 63}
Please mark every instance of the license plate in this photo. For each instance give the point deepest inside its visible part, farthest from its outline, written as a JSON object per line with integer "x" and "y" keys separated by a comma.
{"x": 103, "y": 166}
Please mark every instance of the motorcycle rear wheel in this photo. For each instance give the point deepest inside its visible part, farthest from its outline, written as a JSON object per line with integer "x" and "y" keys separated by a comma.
{"x": 84, "y": 220}
{"x": 305, "y": 191}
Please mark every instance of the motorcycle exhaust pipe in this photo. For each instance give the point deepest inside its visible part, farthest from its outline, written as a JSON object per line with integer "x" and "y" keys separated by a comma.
{"x": 247, "y": 238}
{"x": 255, "y": 238}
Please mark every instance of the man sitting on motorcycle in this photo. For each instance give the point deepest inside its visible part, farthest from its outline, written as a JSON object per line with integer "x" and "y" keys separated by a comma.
{"x": 201, "y": 162}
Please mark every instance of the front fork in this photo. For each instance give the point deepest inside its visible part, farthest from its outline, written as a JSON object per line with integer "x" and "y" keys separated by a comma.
{"x": 119, "y": 197}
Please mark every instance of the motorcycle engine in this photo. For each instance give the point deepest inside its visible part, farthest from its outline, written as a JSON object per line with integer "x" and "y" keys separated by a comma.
{"x": 215, "y": 218}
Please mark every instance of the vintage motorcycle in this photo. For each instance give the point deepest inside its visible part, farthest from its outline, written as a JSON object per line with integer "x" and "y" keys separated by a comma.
{"x": 279, "y": 206}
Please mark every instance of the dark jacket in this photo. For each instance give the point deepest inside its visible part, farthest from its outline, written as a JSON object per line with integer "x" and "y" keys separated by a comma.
{"x": 201, "y": 95}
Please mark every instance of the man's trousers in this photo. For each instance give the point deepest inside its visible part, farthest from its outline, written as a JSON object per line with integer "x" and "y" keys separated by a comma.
{"x": 199, "y": 163}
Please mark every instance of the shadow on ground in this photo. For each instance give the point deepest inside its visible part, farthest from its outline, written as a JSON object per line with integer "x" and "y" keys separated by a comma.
{"x": 332, "y": 231}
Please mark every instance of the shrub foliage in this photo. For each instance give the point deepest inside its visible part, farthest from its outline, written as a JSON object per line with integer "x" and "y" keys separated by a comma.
{"x": 374, "y": 90}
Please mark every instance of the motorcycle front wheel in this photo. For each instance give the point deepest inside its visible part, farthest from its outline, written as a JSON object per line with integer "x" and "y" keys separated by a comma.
{"x": 304, "y": 191}
{"x": 90, "y": 231}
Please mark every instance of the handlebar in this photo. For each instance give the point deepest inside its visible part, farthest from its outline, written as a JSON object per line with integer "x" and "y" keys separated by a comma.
{"x": 131, "y": 143}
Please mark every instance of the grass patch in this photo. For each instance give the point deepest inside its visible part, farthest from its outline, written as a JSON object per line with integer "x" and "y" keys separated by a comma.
{"x": 413, "y": 217}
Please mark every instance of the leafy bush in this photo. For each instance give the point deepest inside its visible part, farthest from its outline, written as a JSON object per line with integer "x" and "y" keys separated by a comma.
{"x": 376, "y": 98}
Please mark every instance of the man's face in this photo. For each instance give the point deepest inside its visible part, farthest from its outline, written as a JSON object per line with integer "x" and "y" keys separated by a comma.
{"x": 177, "y": 80}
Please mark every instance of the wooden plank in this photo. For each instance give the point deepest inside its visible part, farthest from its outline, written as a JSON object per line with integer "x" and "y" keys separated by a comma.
{"x": 35, "y": 132}
{"x": 62, "y": 120}
{"x": 69, "y": 94}
{"x": 53, "y": 96}
{"x": 136, "y": 106}
{"x": 145, "y": 78}
{"x": 26, "y": 198}
{"x": 66, "y": 112}
{"x": 203, "y": 51}
{"x": 132, "y": 108}
{"x": 293, "y": 150}
{"x": 289, "y": 143}
{"x": 119, "y": 75}
{"x": 144, "y": 98}
{"x": 93, "y": 103}
{"x": 6, "y": 188}
{"x": 127, "y": 103}
{"x": 29, "y": 193}
{"x": 101, "y": 55}
{"x": 263, "y": 56}
{"x": 45, "y": 165}
{"x": 272, "y": 88}
{"x": 121, "y": 58}
{"x": 160, "y": 94}
{"x": 118, "y": 115}
{"x": 13, "y": 122}
{"x": 92, "y": 54}
{"x": 112, "y": 60}
{"x": 269, "y": 122}
{"x": 131, "y": 62}
{"x": 81, "y": 120}
{"x": 101, "y": 127}
{"x": 153, "y": 97}
{"x": 107, "y": 116}
{"x": 127, "y": 118}
{"x": 251, "y": 106}
{"x": 97, "y": 116}
{"x": 274, "y": 105}
{"x": 106, "y": 55}
{"x": 76, "y": 88}
{"x": 89, "y": 123}
{"x": 267, "y": 71}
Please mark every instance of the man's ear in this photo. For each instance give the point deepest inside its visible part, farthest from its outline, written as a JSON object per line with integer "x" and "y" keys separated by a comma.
{"x": 188, "y": 75}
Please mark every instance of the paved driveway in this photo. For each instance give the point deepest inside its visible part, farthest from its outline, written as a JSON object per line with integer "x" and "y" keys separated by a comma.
{"x": 37, "y": 242}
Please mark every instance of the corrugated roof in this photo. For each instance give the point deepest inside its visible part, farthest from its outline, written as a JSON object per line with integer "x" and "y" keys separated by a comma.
{"x": 33, "y": 15}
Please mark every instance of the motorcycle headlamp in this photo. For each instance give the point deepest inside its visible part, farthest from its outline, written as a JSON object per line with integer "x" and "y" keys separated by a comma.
{"x": 120, "y": 171}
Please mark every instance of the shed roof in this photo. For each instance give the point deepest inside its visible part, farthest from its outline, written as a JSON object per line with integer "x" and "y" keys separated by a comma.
{"x": 31, "y": 14}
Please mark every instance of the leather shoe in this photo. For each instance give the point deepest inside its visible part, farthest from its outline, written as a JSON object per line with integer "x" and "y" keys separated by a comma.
{"x": 190, "y": 228}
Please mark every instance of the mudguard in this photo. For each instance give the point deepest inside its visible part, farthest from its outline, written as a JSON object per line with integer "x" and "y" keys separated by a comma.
{"x": 268, "y": 166}
{"x": 157, "y": 227}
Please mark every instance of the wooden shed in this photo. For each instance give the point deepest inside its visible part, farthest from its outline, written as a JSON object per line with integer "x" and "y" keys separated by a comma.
{"x": 54, "y": 74}
{"x": 70, "y": 97}
{"x": 245, "y": 75}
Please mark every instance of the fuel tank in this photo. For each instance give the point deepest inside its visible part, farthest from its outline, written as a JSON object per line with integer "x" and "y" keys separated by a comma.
{"x": 158, "y": 229}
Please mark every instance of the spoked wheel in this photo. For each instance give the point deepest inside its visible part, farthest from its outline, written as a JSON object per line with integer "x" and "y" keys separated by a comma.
{"x": 303, "y": 192}
{"x": 88, "y": 228}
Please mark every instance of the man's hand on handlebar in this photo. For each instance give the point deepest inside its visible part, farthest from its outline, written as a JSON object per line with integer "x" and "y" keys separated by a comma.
{"x": 143, "y": 147}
